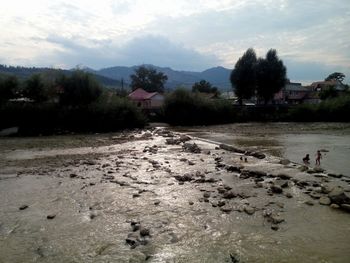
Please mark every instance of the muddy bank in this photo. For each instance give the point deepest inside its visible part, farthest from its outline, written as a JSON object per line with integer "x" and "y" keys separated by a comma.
{"x": 158, "y": 196}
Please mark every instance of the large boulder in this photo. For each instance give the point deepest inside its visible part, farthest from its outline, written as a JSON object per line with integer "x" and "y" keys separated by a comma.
{"x": 345, "y": 207}
{"x": 193, "y": 148}
{"x": 276, "y": 189}
{"x": 258, "y": 155}
{"x": 234, "y": 168}
{"x": 184, "y": 138}
{"x": 324, "y": 200}
{"x": 172, "y": 141}
{"x": 229, "y": 195}
{"x": 185, "y": 178}
{"x": 284, "y": 176}
{"x": 284, "y": 161}
{"x": 338, "y": 196}
{"x": 252, "y": 173}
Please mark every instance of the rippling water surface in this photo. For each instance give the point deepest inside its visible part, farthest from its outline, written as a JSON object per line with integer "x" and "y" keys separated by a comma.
{"x": 93, "y": 214}
{"x": 289, "y": 140}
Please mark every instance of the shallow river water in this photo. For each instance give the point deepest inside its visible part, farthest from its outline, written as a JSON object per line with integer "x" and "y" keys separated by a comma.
{"x": 93, "y": 187}
{"x": 289, "y": 140}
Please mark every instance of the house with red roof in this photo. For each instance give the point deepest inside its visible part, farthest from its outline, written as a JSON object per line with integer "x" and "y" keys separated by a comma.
{"x": 147, "y": 100}
{"x": 322, "y": 85}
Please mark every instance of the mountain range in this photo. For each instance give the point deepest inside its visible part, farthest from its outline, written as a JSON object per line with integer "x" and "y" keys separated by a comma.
{"x": 217, "y": 76}
{"x": 113, "y": 76}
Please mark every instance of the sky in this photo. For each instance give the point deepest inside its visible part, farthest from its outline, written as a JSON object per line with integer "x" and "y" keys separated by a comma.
{"x": 312, "y": 37}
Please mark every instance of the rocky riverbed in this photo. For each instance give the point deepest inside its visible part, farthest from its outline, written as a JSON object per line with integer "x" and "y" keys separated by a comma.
{"x": 160, "y": 196}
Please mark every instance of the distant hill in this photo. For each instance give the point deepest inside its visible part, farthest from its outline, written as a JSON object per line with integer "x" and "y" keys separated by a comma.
{"x": 218, "y": 76}
{"x": 112, "y": 76}
{"x": 26, "y": 72}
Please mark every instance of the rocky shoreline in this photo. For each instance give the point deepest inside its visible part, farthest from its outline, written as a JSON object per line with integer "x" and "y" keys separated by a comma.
{"x": 147, "y": 189}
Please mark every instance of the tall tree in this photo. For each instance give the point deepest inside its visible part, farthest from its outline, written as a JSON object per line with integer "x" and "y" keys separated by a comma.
{"x": 148, "y": 79}
{"x": 270, "y": 75}
{"x": 35, "y": 89}
{"x": 336, "y": 76}
{"x": 8, "y": 88}
{"x": 243, "y": 75}
{"x": 80, "y": 88}
{"x": 204, "y": 87}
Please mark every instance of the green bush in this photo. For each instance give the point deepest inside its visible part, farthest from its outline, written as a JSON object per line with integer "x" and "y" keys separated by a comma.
{"x": 31, "y": 118}
{"x": 80, "y": 88}
{"x": 303, "y": 113}
{"x": 185, "y": 108}
{"x": 115, "y": 114}
{"x": 49, "y": 118}
{"x": 334, "y": 109}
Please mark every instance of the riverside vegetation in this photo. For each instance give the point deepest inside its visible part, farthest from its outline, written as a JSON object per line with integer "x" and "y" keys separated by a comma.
{"x": 54, "y": 103}
{"x": 185, "y": 108}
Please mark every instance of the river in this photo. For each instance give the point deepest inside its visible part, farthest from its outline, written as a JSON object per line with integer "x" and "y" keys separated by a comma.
{"x": 74, "y": 198}
{"x": 288, "y": 140}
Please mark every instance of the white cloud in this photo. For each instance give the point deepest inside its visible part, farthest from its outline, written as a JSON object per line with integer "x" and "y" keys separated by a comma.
{"x": 147, "y": 49}
{"x": 98, "y": 33}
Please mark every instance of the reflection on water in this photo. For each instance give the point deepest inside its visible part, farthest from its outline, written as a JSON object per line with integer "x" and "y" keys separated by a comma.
{"x": 288, "y": 140}
{"x": 93, "y": 214}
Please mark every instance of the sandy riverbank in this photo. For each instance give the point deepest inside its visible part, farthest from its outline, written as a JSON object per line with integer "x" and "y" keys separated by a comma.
{"x": 152, "y": 196}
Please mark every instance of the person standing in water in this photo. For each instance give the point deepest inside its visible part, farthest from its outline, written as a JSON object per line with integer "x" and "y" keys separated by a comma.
{"x": 318, "y": 157}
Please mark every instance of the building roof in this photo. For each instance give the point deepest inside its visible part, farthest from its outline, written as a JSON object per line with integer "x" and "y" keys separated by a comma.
{"x": 333, "y": 82}
{"x": 294, "y": 87}
{"x": 141, "y": 94}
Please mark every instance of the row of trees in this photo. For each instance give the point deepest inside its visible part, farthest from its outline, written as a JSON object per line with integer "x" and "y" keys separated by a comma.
{"x": 79, "y": 88}
{"x": 261, "y": 77}
{"x": 64, "y": 103}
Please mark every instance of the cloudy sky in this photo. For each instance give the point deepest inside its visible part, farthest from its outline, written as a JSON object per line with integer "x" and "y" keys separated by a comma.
{"x": 311, "y": 36}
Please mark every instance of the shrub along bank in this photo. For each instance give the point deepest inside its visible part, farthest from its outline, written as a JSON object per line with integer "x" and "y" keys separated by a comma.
{"x": 185, "y": 108}
{"x": 49, "y": 118}
{"x": 333, "y": 110}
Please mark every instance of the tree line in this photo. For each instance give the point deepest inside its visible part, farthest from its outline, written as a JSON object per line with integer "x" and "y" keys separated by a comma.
{"x": 46, "y": 104}
{"x": 79, "y": 88}
{"x": 52, "y": 102}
